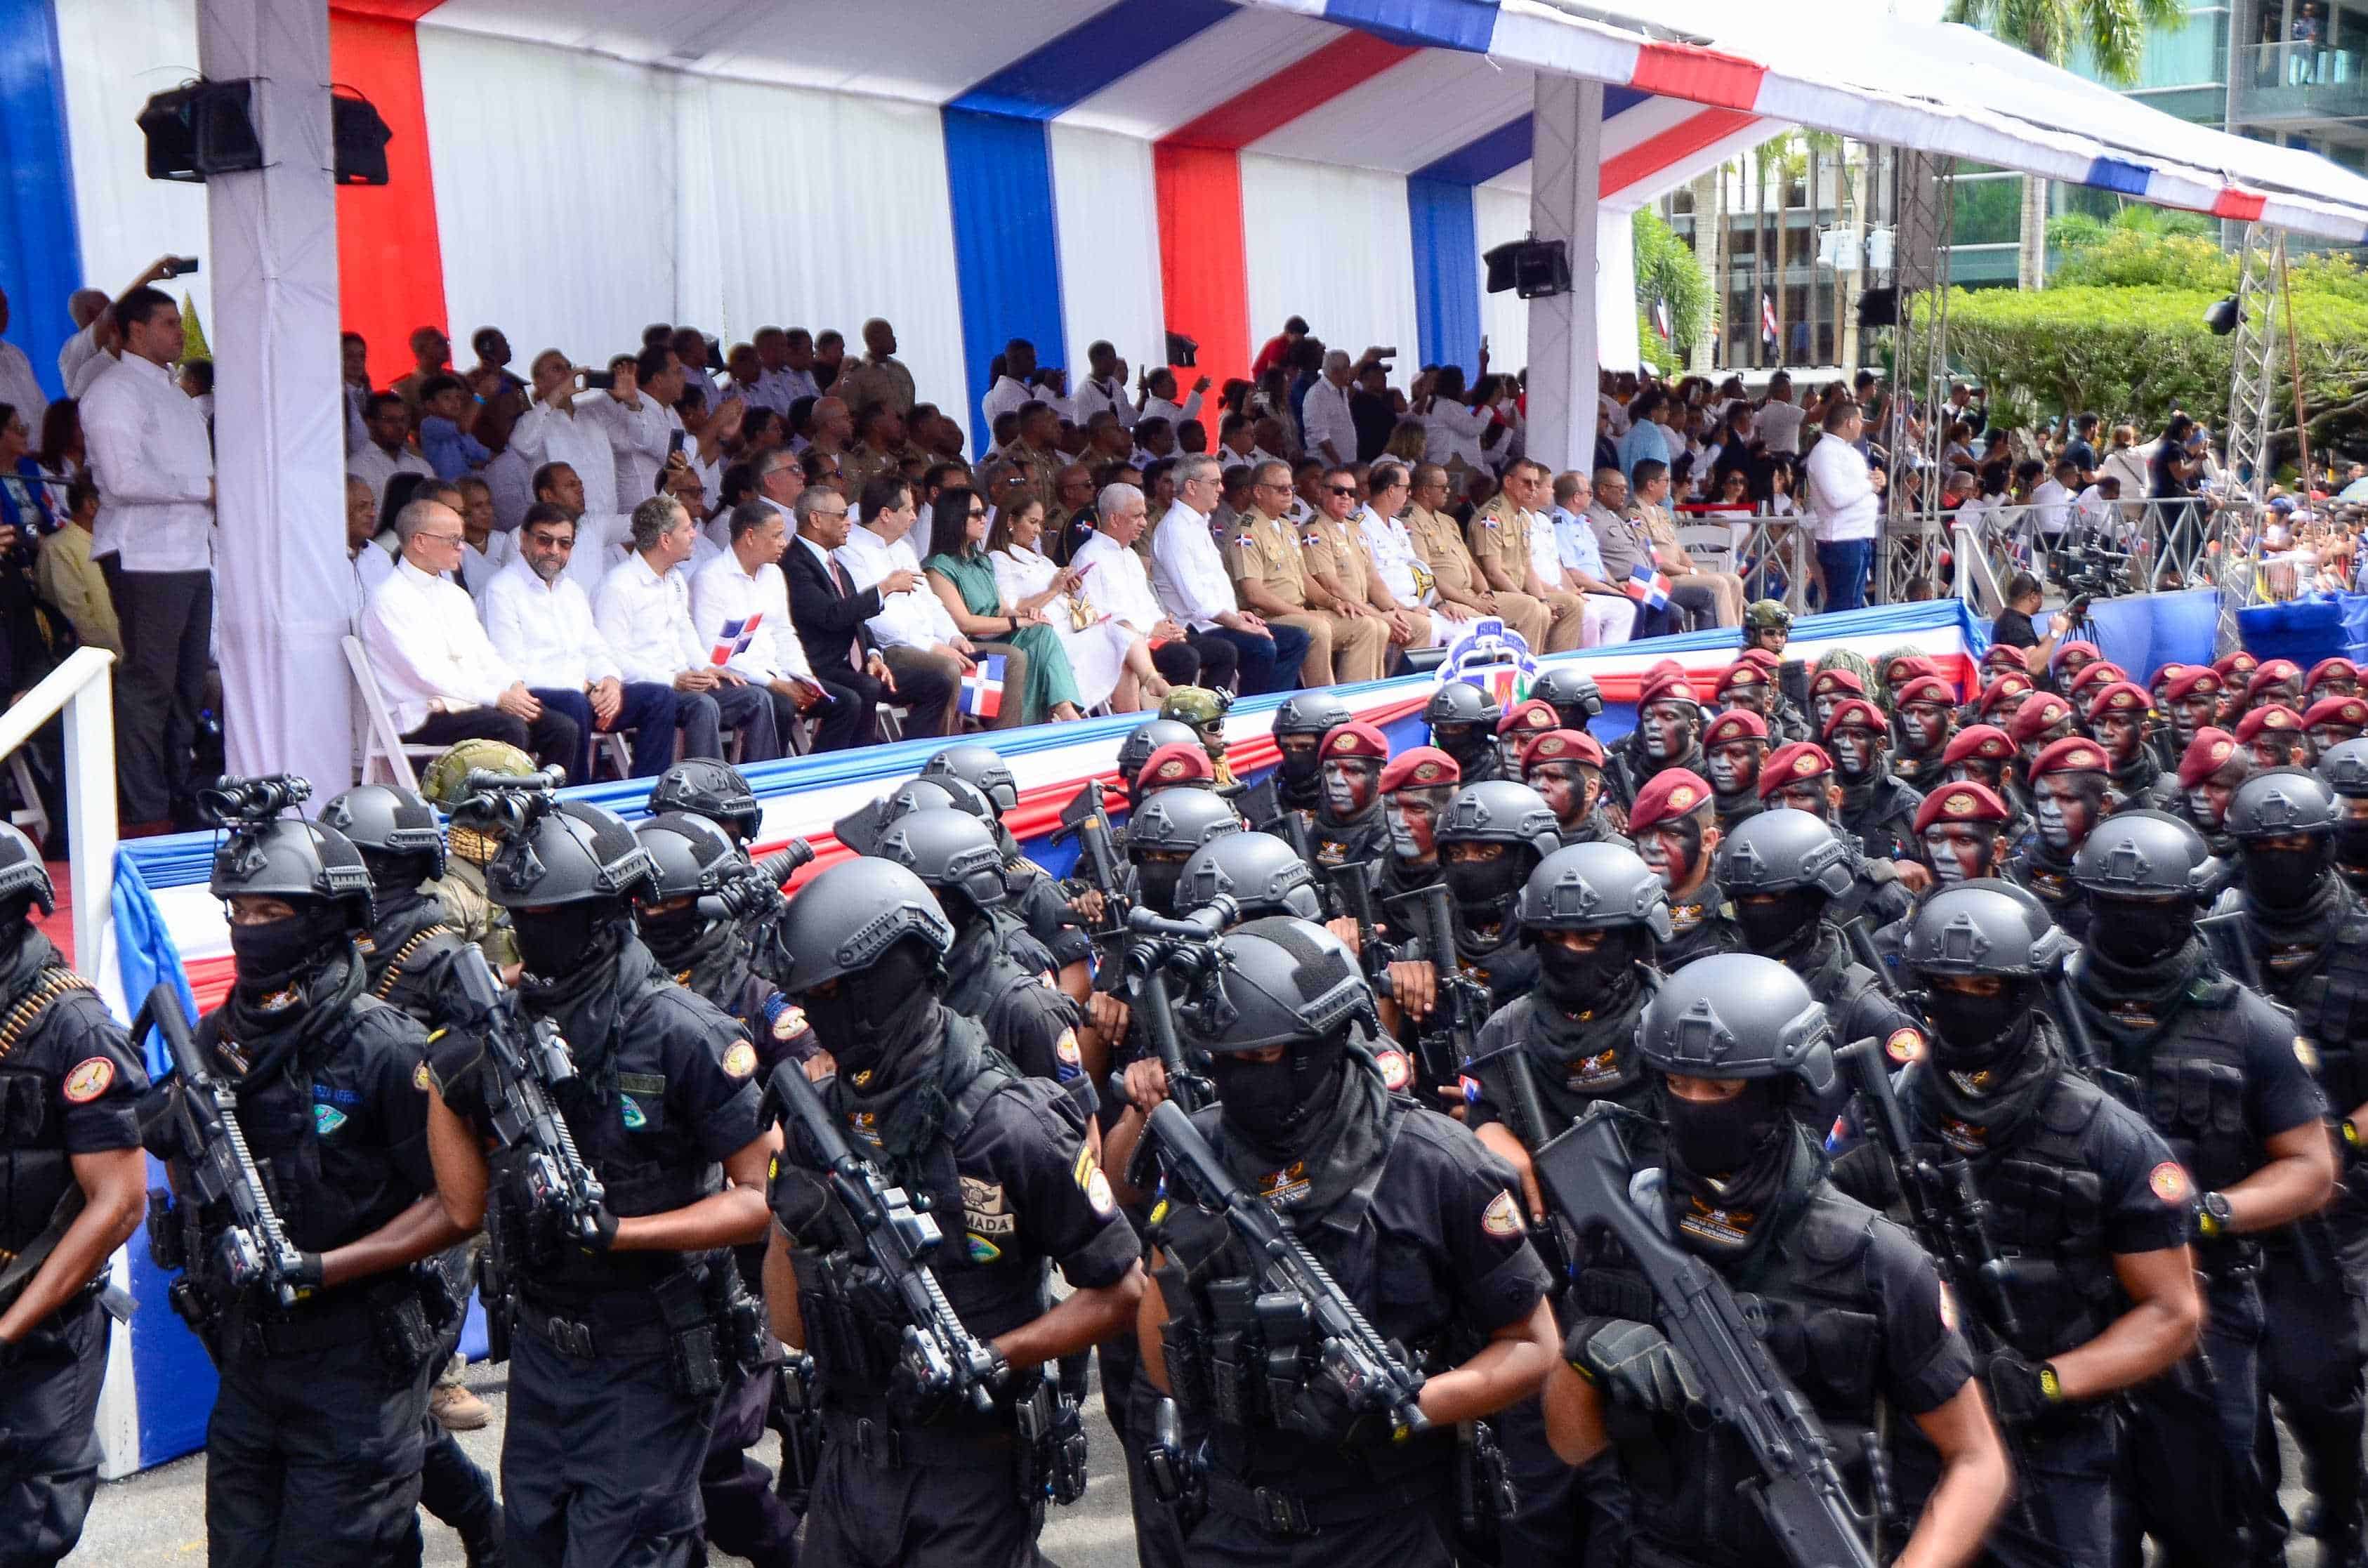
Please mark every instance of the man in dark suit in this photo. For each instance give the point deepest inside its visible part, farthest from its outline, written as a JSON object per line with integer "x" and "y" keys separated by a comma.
{"x": 830, "y": 614}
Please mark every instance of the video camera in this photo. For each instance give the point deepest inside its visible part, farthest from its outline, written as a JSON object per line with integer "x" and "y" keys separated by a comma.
{"x": 501, "y": 804}
{"x": 236, "y": 802}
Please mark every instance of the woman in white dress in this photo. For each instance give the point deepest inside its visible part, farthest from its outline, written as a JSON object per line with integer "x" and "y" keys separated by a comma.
{"x": 1110, "y": 661}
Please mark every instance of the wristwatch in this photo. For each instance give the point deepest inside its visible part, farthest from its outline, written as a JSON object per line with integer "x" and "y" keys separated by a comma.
{"x": 2212, "y": 1216}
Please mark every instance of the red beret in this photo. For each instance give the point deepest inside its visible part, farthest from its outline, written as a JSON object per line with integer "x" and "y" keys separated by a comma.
{"x": 2239, "y": 663}
{"x": 1926, "y": 689}
{"x": 1836, "y": 679}
{"x": 2271, "y": 673}
{"x": 2120, "y": 696}
{"x": 1742, "y": 672}
{"x": 1856, "y": 711}
{"x": 1178, "y": 762}
{"x": 1673, "y": 793}
{"x": 1788, "y": 763}
{"x": 1999, "y": 690}
{"x": 1424, "y": 768}
{"x": 1908, "y": 667}
{"x": 2336, "y": 710}
{"x": 1661, "y": 682}
{"x": 1663, "y": 666}
{"x": 2165, "y": 674}
{"x": 2195, "y": 680}
{"x": 1735, "y": 725}
{"x": 2006, "y": 656}
{"x": 1358, "y": 739}
{"x": 1563, "y": 745}
{"x": 2044, "y": 711}
{"x": 2066, "y": 650}
{"x": 1763, "y": 657}
{"x": 2103, "y": 670}
{"x": 1984, "y": 740}
{"x": 2268, "y": 716}
{"x": 1960, "y": 802}
{"x": 2338, "y": 668}
{"x": 2211, "y": 747}
{"x": 1537, "y": 714}
{"x": 2073, "y": 753}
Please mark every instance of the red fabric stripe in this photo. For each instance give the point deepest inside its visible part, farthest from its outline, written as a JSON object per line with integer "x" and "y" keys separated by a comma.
{"x": 390, "y": 260}
{"x": 1674, "y": 145}
{"x": 1699, "y": 75}
{"x": 1204, "y": 262}
{"x": 2245, "y": 205}
{"x": 1267, "y": 107}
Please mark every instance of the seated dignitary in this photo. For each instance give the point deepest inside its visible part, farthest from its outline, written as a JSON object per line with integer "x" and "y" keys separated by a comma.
{"x": 644, "y": 611}
{"x": 740, "y": 603}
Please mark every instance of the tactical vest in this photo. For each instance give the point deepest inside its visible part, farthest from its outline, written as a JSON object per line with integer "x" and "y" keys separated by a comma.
{"x": 2330, "y": 1000}
{"x": 2193, "y": 1088}
{"x": 404, "y": 960}
{"x": 1886, "y": 823}
{"x": 1605, "y": 1066}
{"x": 35, "y": 1168}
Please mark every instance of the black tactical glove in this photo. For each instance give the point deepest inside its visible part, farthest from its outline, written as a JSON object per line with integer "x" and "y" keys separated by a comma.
{"x": 604, "y": 1231}
{"x": 2020, "y": 1392}
{"x": 1632, "y": 1363}
{"x": 1322, "y": 1411}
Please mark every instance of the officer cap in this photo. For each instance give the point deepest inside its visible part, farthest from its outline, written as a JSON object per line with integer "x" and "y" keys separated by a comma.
{"x": 2345, "y": 768}
{"x": 842, "y": 922}
{"x": 2350, "y": 710}
{"x": 1533, "y": 715}
{"x": 1148, "y": 737}
{"x": 1461, "y": 702}
{"x": 2036, "y": 717}
{"x": 2008, "y": 684}
{"x": 1571, "y": 691}
{"x": 1960, "y": 802}
{"x": 1498, "y": 810}
{"x": 981, "y": 766}
{"x": 1562, "y": 745}
{"x": 2330, "y": 669}
{"x": 1179, "y": 821}
{"x": 386, "y": 819}
{"x": 1790, "y": 763}
{"x": 2268, "y": 716}
{"x": 1424, "y": 768}
{"x": 2120, "y": 697}
{"x": 1279, "y": 981}
{"x": 2195, "y": 680}
{"x": 2278, "y": 800}
{"x": 1986, "y": 927}
{"x": 948, "y": 850}
{"x": 2073, "y": 753}
{"x": 1739, "y": 1016}
{"x": 1594, "y": 887}
{"x": 1673, "y": 793}
{"x": 1172, "y": 765}
{"x": 446, "y": 778}
{"x": 571, "y": 853}
{"x": 1762, "y": 614}
{"x": 1358, "y": 740}
{"x": 712, "y": 788}
{"x": 1855, "y": 710}
{"x": 2205, "y": 755}
{"x": 1926, "y": 688}
{"x": 21, "y": 871}
{"x": 2143, "y": 853}
{"x": 1261, "y": 873}
{"x": 289, "y": 858}
{"x": 690, "y": 857}
{"x": 1781, "y": 851}
{"x": 1311, "y": 713}
{"x": 1984, "y": 740}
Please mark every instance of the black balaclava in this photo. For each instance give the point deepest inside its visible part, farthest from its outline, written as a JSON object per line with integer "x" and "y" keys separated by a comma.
{"x": 2351, "y": 842}
{"x": 1484, "y": 891}
{"x": 2139, "y": 933}
{"x": 570, "y": 938}
{"x": 1783, "y": 927}
{"x": 875, "y": 1009}
{"x": 1729, "y": 1164}
{"x": 1275, "y": 1103}
{"x": 1981, "y": 1034}
{"x": 1298, "y": 782}
{"x": 1156, "y": 881}
{"x": 276, "y": 955}
{"x": 2281, "y": 880}
{"x": 392, "y": 875}
{"x": 1597, "y": 981}
{"x": 1472, "y": 746}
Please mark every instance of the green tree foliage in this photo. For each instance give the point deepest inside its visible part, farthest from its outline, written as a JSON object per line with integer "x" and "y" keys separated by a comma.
{"x": 1667, "y": 271}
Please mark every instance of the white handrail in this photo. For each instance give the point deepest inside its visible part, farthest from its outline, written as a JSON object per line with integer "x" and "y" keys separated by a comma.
{"x": 82, "y": 690}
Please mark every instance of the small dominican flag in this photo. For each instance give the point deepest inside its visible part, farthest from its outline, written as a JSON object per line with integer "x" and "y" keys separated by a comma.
{"x": 1766, "y": 318}
{"x": 982, "y": 690}
{"x": 1503, "y": 683}
{"x": 734, "y": 640}
{"x": 1661, "y": 317}
{"x": 1647, "y": 588}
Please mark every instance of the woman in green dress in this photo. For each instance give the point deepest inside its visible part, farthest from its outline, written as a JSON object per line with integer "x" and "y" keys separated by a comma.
{"x": 963, "y": 575}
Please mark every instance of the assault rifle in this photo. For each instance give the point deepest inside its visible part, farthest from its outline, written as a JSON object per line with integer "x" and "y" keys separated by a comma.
{"x": 942, "y": 1355}
{"x": 1262, "y": 808}
{"x": 1087, "y": 819}
{"x": 1799, "y": 1491}
{"x": 1297, "y": 1301}
{"x": 1352, "y": 895}
{"x": 531, "y": 1064}
{"x": 252, "y": 1251}
{"x": 1446, "y": 1038}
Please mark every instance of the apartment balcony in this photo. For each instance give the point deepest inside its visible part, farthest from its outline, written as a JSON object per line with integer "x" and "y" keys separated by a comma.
{"x": 2287, "y": 84}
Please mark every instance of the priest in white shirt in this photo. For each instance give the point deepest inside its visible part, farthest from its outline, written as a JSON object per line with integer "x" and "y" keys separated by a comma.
{"x": 441, "y": 677}
{"x": 912, "y": 628}
{"x": 741, "y": 601}
{"x": 541, "y": 623}
{"x": 643, "y": 611}
{"x": 1188, "y": 575}
{"x": 1111, "y": 576}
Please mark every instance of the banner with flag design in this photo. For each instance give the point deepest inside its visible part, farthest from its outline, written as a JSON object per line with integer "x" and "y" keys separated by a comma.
{"x": 734, "y": 638}
{"x": 982, "y": 688}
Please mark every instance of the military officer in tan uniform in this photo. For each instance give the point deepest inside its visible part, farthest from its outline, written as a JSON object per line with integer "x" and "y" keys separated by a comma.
{"x": 1440, "y": 544}
{"x": 1333, "y": 556}
{"x": 1345, "y": 640}
{"x": 1500, "y": 546}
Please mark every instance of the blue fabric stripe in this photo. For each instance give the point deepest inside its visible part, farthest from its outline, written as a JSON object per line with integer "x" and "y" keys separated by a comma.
{"x": 2117, "y": 174}
{"x": 1446, "y": 271}
{"x": 1091, "y": 55}
{"x": 40, "y": 247}
{"x": 1438, "y": 23}
{"x": 1483, "y": 157}
{"x": 1006, "y": 253}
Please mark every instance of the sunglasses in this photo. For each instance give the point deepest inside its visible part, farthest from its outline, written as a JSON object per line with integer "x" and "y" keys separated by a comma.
{"x": 1340, "y": 490}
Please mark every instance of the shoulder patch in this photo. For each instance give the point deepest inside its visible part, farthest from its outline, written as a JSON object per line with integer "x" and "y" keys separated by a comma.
{"x": 326, "y": 1118}
{"x": 90, "y": 1078}
{"x": 2170, "y": 1182}
{"x": 790, "y": 1023}
{"x": 419, "y": 1077}
{"x": 1395, "y": 1071}
{"x": 1904, "y": 1046}
{"x": 1066, "y": 1048}
{"x": 1502, "y": 1217}
{"x": 2306, "y": 1053}
{"x": 740, "y": 1060}
{"x": 636, "y": 1118}
{"x": 981, "y": 1249}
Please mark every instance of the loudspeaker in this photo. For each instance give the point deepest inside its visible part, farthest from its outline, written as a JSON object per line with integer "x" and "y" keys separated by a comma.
{"x": 1878, "y": 307}
{"x": 358, "y": 137}
{"x": 1182, "y": 350}
{"x": 199, "y": 130}
{"x": 2222, "y": 316}
{"x": 1531, "y": 268}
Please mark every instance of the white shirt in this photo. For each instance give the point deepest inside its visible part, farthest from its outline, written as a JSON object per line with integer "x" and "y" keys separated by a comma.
{"x": 373, "y": 465}
{"x": 646, "y": 619}
{"x": 777, "y": 390}
{"x": 721, "y": 591}
{"x": 1188, "y": 571}
{"x": 1115, "y": 583}
{"x": 1846, "y": 509}
{"x": 511, "y": 478}
{"x": 430, "y": 653}
{"x": 910, "y": 620}
{"x": 373, "y": 566}
{"x": 577, "y": 437}
{"x": 2050, "y": 506}
{"x": 1095, "y": 396}
{"x": 85, "y": 375}
{"x": 155, "y": 466}
{"x": 1008, "y": 395}
{"x": 1452, "y": 431}
{"x": 21, "y": 389}
{"x": 479, "y": 567}
{"x": 1779, "y": 425}
{"x": 77, "y": 352}
{"x": 1391, "y": 547}
{"x": 1545, "y": 550}
{"x": 1174, "y": 413}
{"x": 545, "y": 631}
{"x": 1326, "y": 416}
{"x": 640, "y": 438}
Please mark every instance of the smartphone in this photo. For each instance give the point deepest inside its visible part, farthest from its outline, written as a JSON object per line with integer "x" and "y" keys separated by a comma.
{"x": 598, "y": 381}
{"x": 674, "y": 442}
{"x": 180, "y": 266}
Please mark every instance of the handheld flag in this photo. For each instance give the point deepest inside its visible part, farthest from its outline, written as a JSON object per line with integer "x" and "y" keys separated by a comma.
{"x": 1766, "y": 318}
{"x": 734, "y": 638}
{"x": 1661, "y": 317}
{"x": 982, "y": 688}
{"x": 1647, "y": 586}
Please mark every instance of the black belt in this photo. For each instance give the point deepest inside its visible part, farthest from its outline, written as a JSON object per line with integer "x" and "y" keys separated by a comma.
{"x": 324, "y": 1325}
{"x": 881, "y": 1444}
{"x": 1288, "y": 1513}
{"x": 586, "y": 1339}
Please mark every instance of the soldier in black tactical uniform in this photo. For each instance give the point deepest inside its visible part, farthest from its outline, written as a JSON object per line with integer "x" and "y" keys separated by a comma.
{"x": 1463, "y": 721}
{"x": 1668, "y": 733}
{"x": 2216, "y": 1073}
{"x": 1141, "y": 742}
{"x": 314, "y": 1448}
{"x": 1735, "y": 748}
{"x": 2192, "y": 698}
{"x": 1801, "y": 777}
{"x": 1984, "y": 755}
{"x": 1257, "y": 870}
{"x": 702, "y": 786}
{"x": 2345, "y": 768}
{"x": 908, "y": 1474}
{"x": 1413, "y": 1218}
{"x": 75, "y": 1183}
{"x": 1522, "y": 723}
{"x": 2303, "y": 935}
{"x": 1416, "y": 788}
{"x": 618, "y": 1319}
{"x": 687, "y": 915}
{"x": 1566, "y": 766}
{"x": 2082, "y": 1199}
{"x": 2119, "y": 718}
{"x": 406, "y": 960}
{"x": 1164, "y": 831}
{"x": 1578, "y": 702}
{"x": 1877, "y": 808}
{"x": 1924, "y": 716}
{"x": 1351, "y": 827}
{"x": 1676, "y": 833}
{"x": 1787, "y": 875}
{"x": 1493, "y": 836}
{"x": 2039, "y": 723}
{"x": 1854, "y": 1317}
{"x": 2209, "y": 773}
{"x": 2069, "y": 786}
{"x": 1035, "y": 893}
{"x": 1300, "y": 726}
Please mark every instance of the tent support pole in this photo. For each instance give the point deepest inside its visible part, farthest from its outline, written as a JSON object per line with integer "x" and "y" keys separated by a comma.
{"x": 1566, "y": 184}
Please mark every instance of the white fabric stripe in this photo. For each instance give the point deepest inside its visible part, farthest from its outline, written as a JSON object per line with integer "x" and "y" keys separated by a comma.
{"x": 1202, "y": 72}
{"x": 1106, "y": 212}
{"x": 1332, "y": 245}
{"x": 1417, "y": 111}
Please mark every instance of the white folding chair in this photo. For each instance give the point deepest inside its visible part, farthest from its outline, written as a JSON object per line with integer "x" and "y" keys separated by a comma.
{"x": 1711, "y": 546}
{"x": 29, "y": 813}
{"x": 383, "y": 743}
{"x": 891, "y": 722}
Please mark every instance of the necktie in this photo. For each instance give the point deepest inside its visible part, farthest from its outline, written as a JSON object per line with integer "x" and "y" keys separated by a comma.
{"x": 838, "y": 581}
